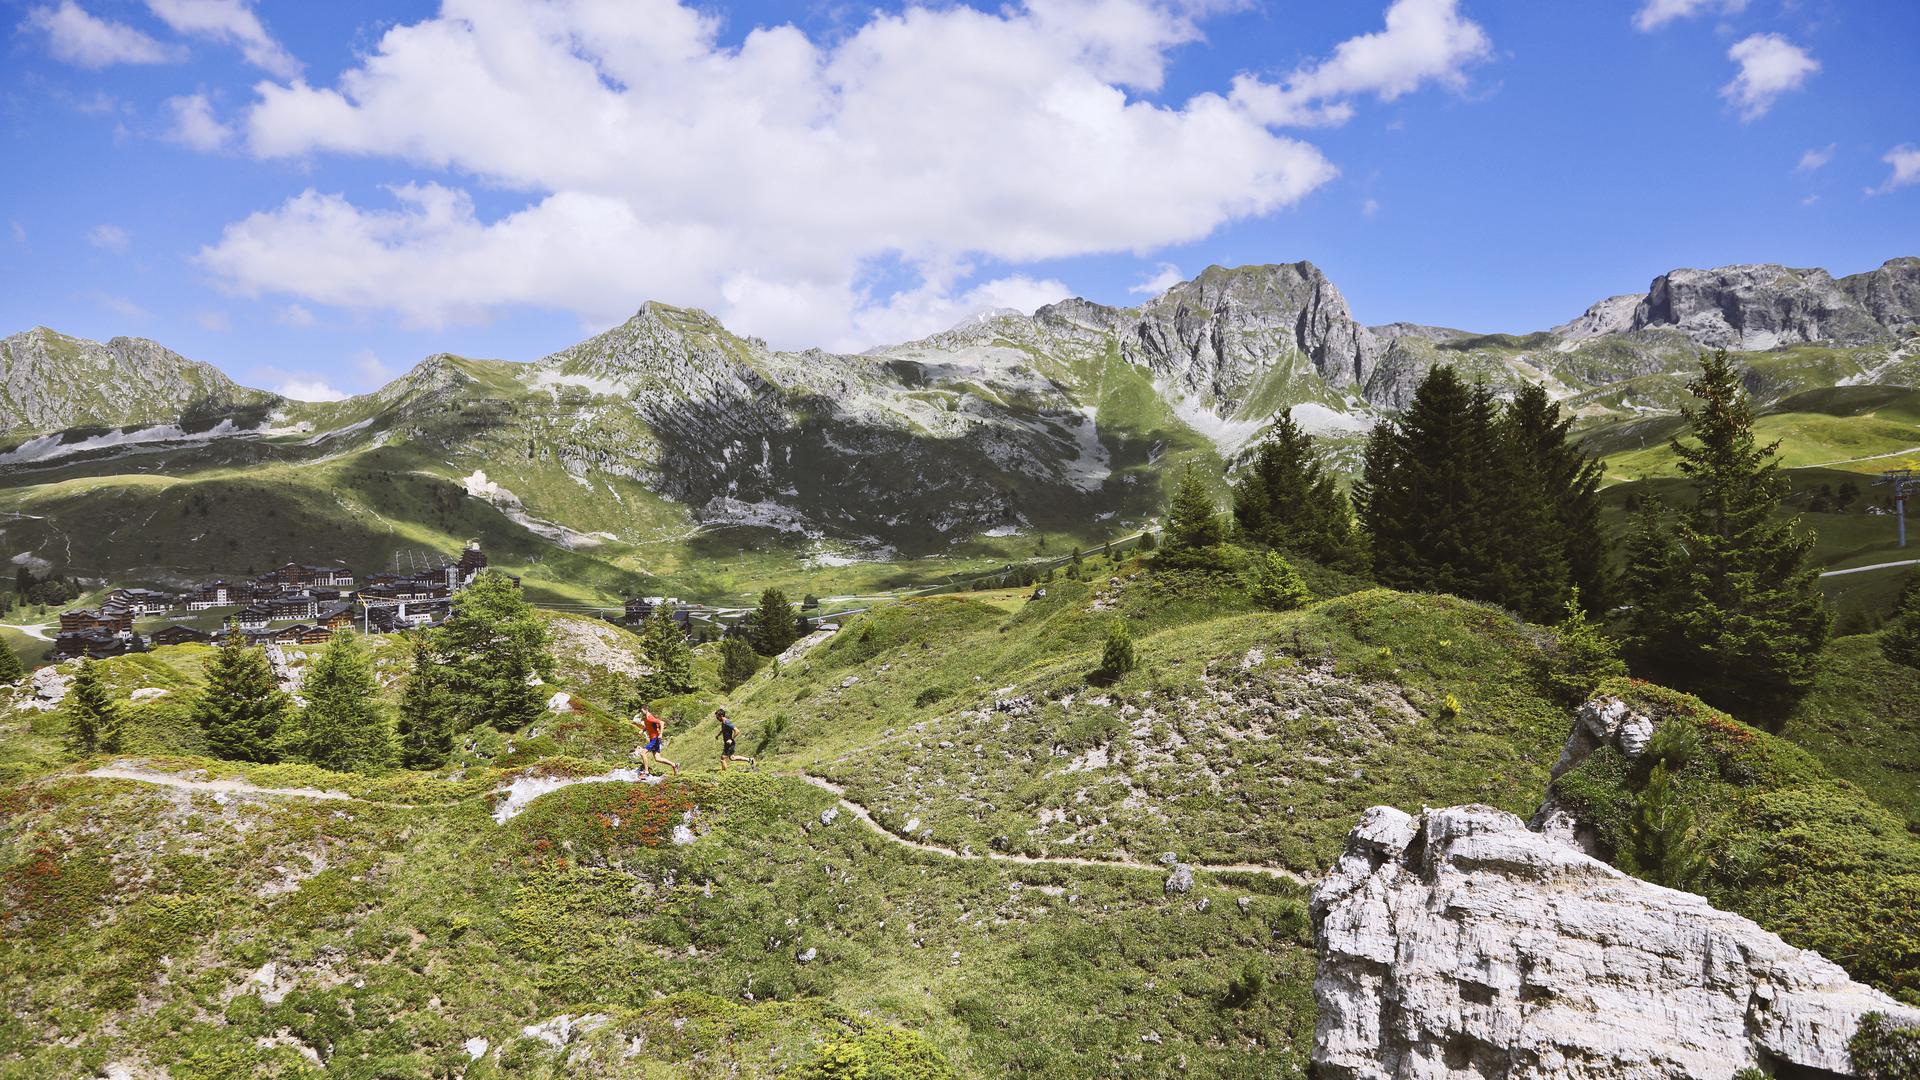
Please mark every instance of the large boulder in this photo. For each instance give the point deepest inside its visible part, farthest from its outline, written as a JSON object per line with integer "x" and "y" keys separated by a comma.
{"x": 1461, "y": 944}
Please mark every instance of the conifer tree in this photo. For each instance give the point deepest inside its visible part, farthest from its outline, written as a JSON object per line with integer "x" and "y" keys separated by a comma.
{"x": 737, "y": 663}
{"x": 494, "y": 647}
{"x": 344, "y": 726}
{"x": 665, "y": 646}
{"x": 1663, "y": 843}
{"x": 425, "y": 728}
{"x": 1420, "y": 495}
{"x": 93, "y": 721}
{"x": 1739, "y": 619}
{"x": 242, "y": 708}
{"x": 1527, "y": 568}
{"x": 1277, "y": 586}
{"x": 1560, "y": 474}
{"x": 1196, "y": 530}
{"x": 772, "y": 628}
{"x": 10, "y": 669}
{"x": 1286, "y": 499}
{"x": 1901, "y": 641}
{"x": 1116, "y": 658}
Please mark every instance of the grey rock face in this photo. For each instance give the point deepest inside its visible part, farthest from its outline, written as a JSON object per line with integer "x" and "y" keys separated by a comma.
{"x": 1460, "y": 944}
{"x": 1763, "y": 306}
{"x": 1180, "y": 881}
{"x": 51, "y": 382}
{"x": 1218, "y": 334}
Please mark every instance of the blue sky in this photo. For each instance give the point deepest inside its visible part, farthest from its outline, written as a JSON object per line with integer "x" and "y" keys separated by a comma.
{"x": 314, "y": 196}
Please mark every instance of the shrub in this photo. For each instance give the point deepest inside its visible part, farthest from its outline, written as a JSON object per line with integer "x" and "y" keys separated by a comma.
{"x": 1117, "y": 658}
{"x": 1582, "y": 658}
{"x": 1881, "y": 1051}
{"x": 1276, "y": 586}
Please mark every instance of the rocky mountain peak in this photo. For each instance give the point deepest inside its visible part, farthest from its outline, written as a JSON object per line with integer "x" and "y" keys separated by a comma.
{"x": 51, "y": 381}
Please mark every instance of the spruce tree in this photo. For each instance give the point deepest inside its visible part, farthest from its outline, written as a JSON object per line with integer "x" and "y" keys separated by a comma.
{"x": 242, "y": 708}
{"x": 93, "y": 721}
{"x": 1740, "y": 620}
{"x": 1568, "y": 479}
{"x": 10, "y": 669}
{"x": 425, "y": 727}
{"x": 495, "y": 646}
{"x": 1285, "y": 498}
{"x": 1663, "y": 843}
{"x": 1527, "y": 571}
{"x": 1420, "y": 495}
{"x": 344, "y": 726}
{"x": 1900, "y": 642}
{"x": 1116, "y": 658}
{"x": 1277, "y": 586}
{"x": 773, "y": 624}
{"x": 737, "y": 663}
{"x": 668, "y": 655}
{"x": 1196, "y": 530}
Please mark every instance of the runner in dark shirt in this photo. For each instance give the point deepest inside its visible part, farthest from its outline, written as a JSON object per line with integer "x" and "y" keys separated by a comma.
{"x": 729, "y": 735}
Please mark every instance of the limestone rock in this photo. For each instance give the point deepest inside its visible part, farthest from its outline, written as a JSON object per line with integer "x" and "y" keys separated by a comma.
{"x": 1601, "y": 722}
{"x": 1460, "y": 944}
{"x": 49, "y": 689}
{"x": 1180, "y": 881}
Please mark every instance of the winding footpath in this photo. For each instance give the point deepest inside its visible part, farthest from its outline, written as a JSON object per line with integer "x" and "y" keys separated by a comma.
{"x": 860, "y": 812}
{"x": 217, "y": 787}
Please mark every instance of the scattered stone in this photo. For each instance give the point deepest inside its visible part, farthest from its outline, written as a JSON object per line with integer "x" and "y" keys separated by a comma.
{"x": 147, "y": 693}
{"x": 1151, "y": 1037}
{"x": 560, "y": 702}
{"x": 1202, "y": 904}
{"x": 827, "y": 815}
{"x": 1462, "y": 945}
{"x": 807, "y": 957}
{"x": 1245, "y": 904}
{"x": 1180, "y": 881}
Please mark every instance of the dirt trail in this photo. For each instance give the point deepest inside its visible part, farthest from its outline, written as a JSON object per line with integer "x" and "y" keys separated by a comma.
{"x": 229, "y": 787}
{"x": 1875, "y": 566}
{"x": 860, "y": 812}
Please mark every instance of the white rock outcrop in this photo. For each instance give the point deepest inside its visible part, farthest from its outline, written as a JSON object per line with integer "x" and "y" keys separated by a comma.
{"x": 1461, "y": 944}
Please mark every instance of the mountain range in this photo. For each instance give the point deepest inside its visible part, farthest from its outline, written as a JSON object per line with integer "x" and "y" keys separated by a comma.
{"x": 652, "y": 448}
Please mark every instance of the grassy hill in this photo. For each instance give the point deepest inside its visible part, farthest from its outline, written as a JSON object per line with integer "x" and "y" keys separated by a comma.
{"x": 1005, "y": 910}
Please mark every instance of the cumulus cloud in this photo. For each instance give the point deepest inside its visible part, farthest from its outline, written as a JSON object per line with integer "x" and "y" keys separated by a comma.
{"x": 303, "y": 386}
{"x": 83, "y": 39}
{"x": 1164, "y": 277}
{"x": 295, "y": 316}
{"x": 1657, "y": 13}
{"x": 1425, "y": 41}
{"x": 110, "y": 238}
{"x": 766, "y": 180}
{"x": 1770, "y": 66}
{"x": 1905, "y": 160}
{"x": 195, "y": 125}
{"x": 232, "y": 22}
{"x": 218, "y": 322}
{"x": 1816, "y": 159}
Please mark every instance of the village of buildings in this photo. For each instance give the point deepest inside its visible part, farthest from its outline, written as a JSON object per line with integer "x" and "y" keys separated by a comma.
{"x": 299, "y": 604}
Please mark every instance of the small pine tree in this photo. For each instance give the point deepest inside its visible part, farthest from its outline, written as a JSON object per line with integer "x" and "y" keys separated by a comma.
{"x": 1277, "y": 586}
{"x": 494, "y": 647}
{"x": 1663, "y": 843}
{"x": 10, "y": 670}
{"x": 738, "y": 663}
{"x": 425, "y": 727}
{"x": 1287, "y": 499}
{"x": 93, "y": 722}
{"x": 1901, "y": 641}
{"x": 242, "y": 708}
{"x": 344, "y": 727}
{"x": 1193, "y": 521}
{"x": 1147, "y": 542}
{"x": 1584, "y": 655}
{"x": 773, "y": 624}
{"x": 665, "y": 646}
{"x": 1117, "y": 658}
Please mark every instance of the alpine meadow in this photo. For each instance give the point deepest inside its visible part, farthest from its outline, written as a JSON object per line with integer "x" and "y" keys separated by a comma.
{"x": 836, "y": 600}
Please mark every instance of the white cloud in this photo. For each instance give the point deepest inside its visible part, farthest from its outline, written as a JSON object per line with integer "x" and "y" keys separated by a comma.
{"x": 233, "y": 22}
{"x": 110, "y": 238}
{"x": 1369, "y": 207}
{"x": 305, "y": 387}
{"x": 218, "y": 322}
{"x": 1770, "y": 66}
{"x": 295, "y": 316}
{"x": 79, "y": 38}
{"x": 195, "y": 125}
{"x": 368, "y": 365}
{"x": 766, "y": 180}
{"x": 19, "y": 233}
{"x": 1424, "y": 41}
{"x": 1816, "y": 159}
{"x": 1905, "y": 160}
{"x": 1164, "y": 277}
{"x": 1658, "y": 13}
{"x": 119, "y": 305}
